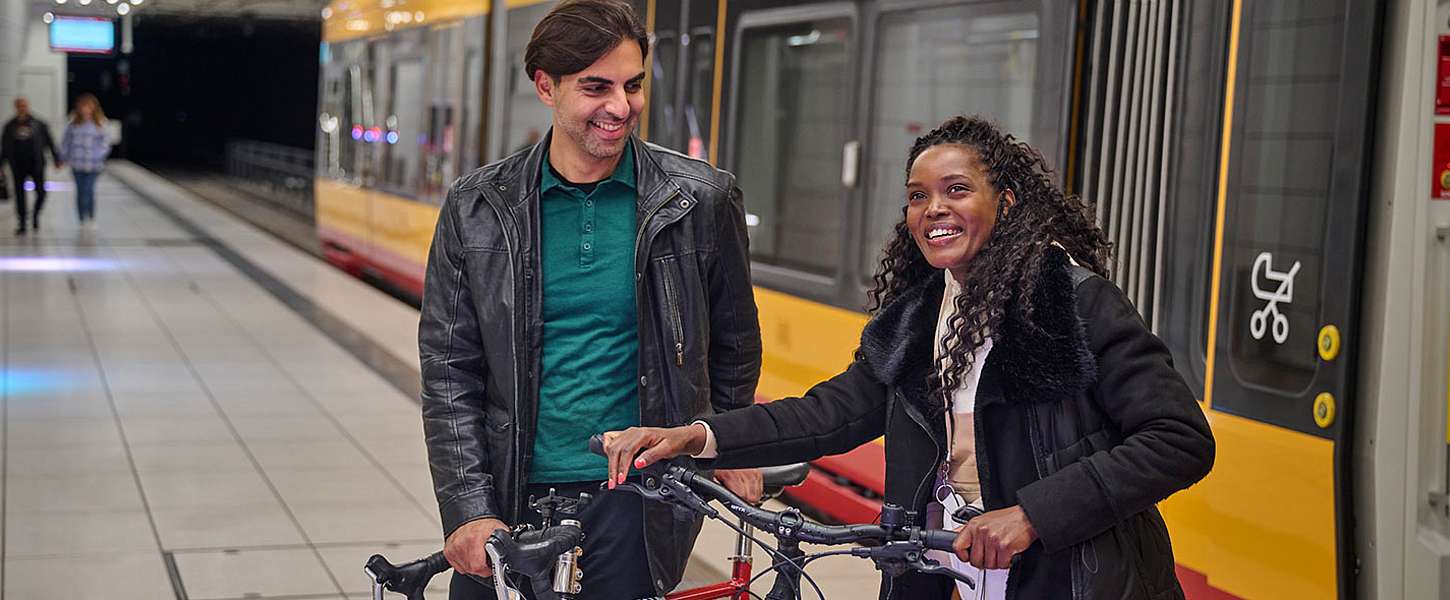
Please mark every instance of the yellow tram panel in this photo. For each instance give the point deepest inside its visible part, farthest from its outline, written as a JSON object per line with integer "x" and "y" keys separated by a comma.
{"x": 1259, "y": 525}
{"x": 351, "y": 19}
{"x": 804, "y": 342}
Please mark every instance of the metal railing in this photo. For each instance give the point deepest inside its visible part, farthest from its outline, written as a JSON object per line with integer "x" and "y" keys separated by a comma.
{"x": 281, "y": 175}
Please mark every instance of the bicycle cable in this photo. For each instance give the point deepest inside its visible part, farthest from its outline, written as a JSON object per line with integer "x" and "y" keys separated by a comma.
{"x": 806, "y": 561}
{"x": 777, "y": 558}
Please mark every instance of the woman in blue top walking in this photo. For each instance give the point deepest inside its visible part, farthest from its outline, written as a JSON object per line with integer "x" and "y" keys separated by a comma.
{"x": 85, "y": 146}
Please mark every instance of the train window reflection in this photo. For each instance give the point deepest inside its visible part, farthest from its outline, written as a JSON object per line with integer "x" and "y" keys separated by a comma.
{"x": 403, "y": 132}
{"x": 699, "y": 109}
{"x": 933, "y": 64}
{"x": 472, "y": 110}
{"x": 527, "y": 119}
{"x": 662, "y": 121}
{"x": 1279, "y": 184}
{"x": 792, "y": 121}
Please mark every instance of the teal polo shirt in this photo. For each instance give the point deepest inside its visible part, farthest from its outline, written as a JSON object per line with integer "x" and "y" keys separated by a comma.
{"x": 591, "y": 336}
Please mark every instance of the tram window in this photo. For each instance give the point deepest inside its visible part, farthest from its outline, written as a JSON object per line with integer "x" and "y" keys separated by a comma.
{"x": 792, "y": 121}
{"x": 1279, "y": 178}
{"x": 402, "y": 129}
{"x": 439, "y": 138}
{"x": 933, "y": 64}
{"x": 472, "y": 108}
{"x": 342, "y": 110}
{"x": 527, "y": 119}
{"x": 370, "y": 84}
{"x": 662, "y": 121}
{"x": 335, "y": 124}
{"x": 700, "y": 107}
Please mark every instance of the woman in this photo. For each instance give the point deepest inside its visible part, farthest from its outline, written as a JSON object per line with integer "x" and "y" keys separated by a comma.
{"x": 1034, "y": 389}
{"x": 85, "y": 146}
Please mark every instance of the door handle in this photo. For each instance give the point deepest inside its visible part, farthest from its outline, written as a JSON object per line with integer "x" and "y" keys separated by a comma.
{"x": 850, "y": 163}
{"x": 1442, "y": 232}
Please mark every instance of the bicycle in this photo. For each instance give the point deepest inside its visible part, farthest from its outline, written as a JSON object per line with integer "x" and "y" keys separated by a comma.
{"x": 895, "y": 547}
{"x": 524, "y": 549}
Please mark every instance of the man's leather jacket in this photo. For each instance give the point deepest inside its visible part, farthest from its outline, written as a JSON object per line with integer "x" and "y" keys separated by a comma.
{"x": 480, "y": 334}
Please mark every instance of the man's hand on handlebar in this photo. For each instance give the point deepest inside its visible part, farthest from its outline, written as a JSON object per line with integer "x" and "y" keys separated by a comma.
{"x": 658, "y": 444}
{"x": 746, "y": 483}
{"x": 464, "y": 548}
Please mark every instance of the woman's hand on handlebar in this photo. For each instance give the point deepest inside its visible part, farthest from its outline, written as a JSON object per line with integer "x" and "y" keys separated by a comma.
{"x": 621, "y": 447}
{"x": 989, "y": 541}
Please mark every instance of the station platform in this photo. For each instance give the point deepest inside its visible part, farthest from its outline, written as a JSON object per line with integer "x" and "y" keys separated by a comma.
{"x": 194, "y": 409}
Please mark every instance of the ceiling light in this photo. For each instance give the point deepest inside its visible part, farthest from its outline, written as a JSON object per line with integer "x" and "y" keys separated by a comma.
{"x": 123, "y": 9}
{"x": 47, "y": 17}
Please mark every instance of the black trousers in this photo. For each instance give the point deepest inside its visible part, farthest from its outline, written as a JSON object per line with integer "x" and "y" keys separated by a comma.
{"x": 614, "y": 563}
{"x": 20, "y": 174}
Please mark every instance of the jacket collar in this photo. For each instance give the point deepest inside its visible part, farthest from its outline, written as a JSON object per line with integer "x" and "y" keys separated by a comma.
{"x": 623, "y": 175}
{"x": 652, "y": 184}
{"x": 1049, "y": 364}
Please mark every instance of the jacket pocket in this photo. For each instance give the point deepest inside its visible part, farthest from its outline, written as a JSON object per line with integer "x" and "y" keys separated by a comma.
{"x": 1087, "y": 446}
{"x": 672, "y": 307}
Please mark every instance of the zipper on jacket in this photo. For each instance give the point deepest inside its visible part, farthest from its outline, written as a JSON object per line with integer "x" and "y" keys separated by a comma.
{"x": 938, "y": 451}
{"x": 676, "y": 327}
{"x": 641, "y": 264}
{"x": 518, "y": 364}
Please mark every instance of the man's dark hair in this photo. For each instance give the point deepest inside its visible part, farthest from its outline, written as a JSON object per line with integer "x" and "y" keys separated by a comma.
{"x": 578, "y": 32}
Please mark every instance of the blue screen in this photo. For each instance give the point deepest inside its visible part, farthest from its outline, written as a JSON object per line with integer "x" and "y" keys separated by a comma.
{"x": 74, "y": 34}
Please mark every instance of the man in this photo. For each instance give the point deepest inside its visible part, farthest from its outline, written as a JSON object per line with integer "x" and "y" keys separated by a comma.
{"x": 589, "y": 281}
{"x": 22, "y": 145}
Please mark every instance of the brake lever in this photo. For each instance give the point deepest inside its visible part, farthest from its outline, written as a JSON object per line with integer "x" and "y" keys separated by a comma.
{"x": 897, "y": 558}
{"x": 501, "y": 588}
{"x": 668, "y": 488}
{"x": 931, "y": 567}
{"x": 377, "y": 580}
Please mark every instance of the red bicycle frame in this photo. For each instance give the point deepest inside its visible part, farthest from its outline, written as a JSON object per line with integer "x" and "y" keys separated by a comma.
{"x": 738, "y": 587}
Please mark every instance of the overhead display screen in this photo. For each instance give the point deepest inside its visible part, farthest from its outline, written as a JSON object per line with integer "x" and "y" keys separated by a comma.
{"x": 83, "y": 34}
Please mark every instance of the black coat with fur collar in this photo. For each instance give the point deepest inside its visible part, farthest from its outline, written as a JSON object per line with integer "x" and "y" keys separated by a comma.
{"x": 1085, "y": 424}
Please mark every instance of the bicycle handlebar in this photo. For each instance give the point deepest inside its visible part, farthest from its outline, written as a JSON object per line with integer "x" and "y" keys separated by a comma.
{"x": 899, "y": 545}
{"x": 408, "y": 579}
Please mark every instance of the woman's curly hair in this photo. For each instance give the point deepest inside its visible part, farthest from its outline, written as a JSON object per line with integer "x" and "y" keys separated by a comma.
{"x": 1002, "y": 278}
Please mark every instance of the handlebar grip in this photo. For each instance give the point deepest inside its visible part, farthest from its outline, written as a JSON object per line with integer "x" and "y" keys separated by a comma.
{"x": 596, "y": 444}
{"x": 937, "y": 539}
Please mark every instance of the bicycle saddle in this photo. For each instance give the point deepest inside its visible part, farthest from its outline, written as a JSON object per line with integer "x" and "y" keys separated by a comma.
{"x": 785, "y": 476}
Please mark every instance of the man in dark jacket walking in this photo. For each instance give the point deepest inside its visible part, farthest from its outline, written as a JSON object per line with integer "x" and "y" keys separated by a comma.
{"x": 588, "y": 282}
{"x": 22, "y": 145}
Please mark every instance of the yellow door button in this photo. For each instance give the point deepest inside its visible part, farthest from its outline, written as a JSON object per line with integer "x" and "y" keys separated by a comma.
{"x": 1329, "y": 342}
{"x": 1324, "y": 410}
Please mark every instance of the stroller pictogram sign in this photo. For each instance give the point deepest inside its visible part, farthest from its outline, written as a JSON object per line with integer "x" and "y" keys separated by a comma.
{"x": 1281, "y": 289}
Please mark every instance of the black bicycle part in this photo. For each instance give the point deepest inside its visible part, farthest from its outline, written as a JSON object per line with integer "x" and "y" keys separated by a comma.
{"x": 788, "y": 563}
{"x": 895, "y": 546}
{"x": 408, "y": 579}
{"x": 552, "y": 504}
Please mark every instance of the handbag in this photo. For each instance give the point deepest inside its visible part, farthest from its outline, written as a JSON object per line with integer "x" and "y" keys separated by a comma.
{"x": 4, "y": 186}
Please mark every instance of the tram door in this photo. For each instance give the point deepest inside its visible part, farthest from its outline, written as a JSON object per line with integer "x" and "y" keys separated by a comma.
{"x": 1293, "y": 194}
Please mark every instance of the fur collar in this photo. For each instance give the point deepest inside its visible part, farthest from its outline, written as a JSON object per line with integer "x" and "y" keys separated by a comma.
{"x": 1050, "y": 364}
